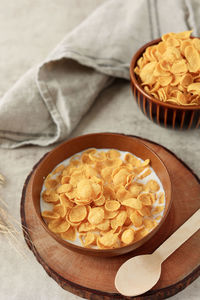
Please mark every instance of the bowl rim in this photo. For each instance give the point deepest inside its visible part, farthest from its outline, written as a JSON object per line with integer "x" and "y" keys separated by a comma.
{"x": 135, "y": 82}
{"x": 92, "y": 251}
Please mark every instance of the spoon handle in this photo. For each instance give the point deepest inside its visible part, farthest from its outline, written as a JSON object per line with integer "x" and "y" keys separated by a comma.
{"x": 179, "y": 236}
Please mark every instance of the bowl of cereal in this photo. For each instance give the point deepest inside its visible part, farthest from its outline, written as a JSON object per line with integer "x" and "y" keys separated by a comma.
{"x": 101, "y": 194}
{"x": 165, "y": 80}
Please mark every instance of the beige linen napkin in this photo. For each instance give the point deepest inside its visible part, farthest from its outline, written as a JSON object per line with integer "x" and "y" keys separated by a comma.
{"x": 46, "y": 104}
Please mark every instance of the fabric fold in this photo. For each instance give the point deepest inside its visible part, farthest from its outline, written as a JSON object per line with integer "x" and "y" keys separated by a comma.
{"x": 48, "y": 102}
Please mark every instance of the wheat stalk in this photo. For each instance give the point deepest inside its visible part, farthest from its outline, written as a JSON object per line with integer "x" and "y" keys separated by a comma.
{"x": 2, "y": 179}
{"x": 10, "y": 227}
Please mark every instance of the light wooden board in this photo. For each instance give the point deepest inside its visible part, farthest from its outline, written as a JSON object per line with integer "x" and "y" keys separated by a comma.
{"x": 93, "y": 277}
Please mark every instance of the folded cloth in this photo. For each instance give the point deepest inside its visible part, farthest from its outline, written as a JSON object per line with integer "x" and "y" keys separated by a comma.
{"x": 46, "y": 104}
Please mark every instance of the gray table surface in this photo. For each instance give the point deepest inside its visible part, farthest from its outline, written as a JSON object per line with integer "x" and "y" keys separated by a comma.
{"x": 29, "y": 30}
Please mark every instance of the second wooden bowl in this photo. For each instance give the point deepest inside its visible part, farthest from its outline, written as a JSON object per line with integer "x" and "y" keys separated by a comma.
{"x": 99, "y": 140}
{"x": 164, "y": 114}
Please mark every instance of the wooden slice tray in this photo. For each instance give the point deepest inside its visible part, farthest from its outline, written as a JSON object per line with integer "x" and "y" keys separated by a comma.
{"x": 93, "y": 277}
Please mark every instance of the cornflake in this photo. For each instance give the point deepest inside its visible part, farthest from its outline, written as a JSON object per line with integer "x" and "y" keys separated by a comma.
{"x": 170, "y": 70}
{"x": 101, "y": 197}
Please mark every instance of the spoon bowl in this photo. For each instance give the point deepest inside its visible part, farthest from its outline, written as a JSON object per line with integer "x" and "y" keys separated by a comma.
{"x": 147, "y": 272}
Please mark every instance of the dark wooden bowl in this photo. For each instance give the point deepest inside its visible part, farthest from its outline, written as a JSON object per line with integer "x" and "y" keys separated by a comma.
{"x": 99, "y": 140}
{"x": 165, "y": 114}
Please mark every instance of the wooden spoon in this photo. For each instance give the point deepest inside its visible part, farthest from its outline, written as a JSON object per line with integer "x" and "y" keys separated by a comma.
{"x": 140, "y": 273}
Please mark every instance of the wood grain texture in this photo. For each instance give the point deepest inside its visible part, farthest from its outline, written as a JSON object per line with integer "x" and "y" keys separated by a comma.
{"x": 93, "y": 277}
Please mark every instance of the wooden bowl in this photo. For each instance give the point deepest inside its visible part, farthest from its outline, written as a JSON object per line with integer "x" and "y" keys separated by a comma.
{"x": 165, "y": 114}
{"x": 99, "y": 140}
